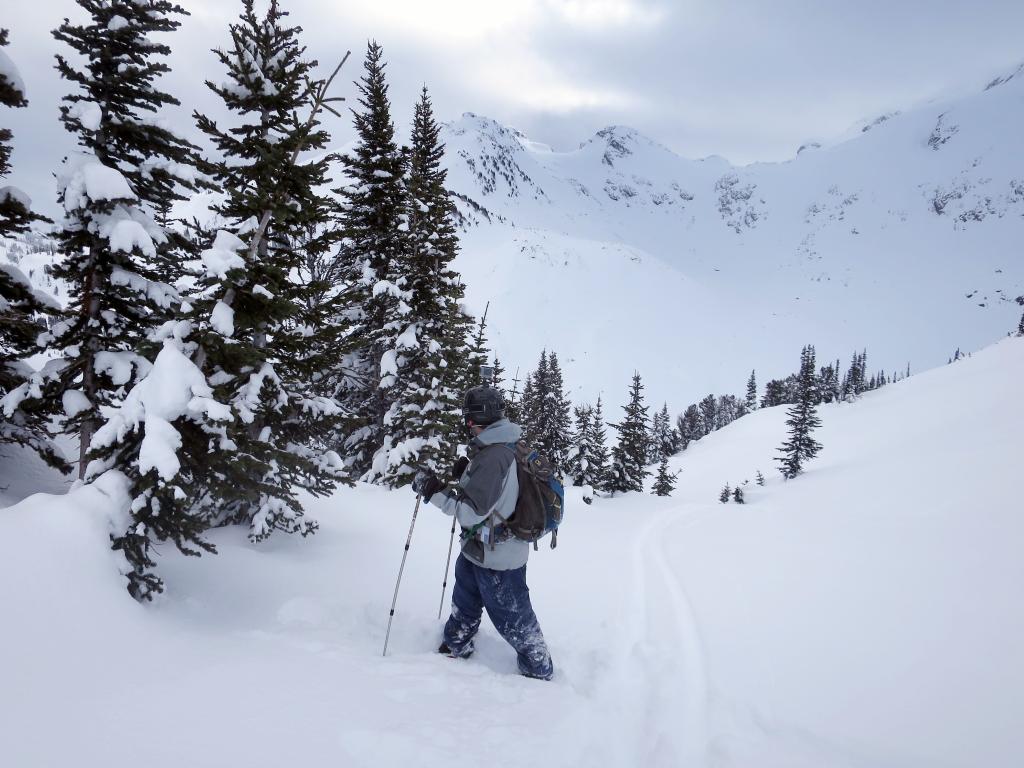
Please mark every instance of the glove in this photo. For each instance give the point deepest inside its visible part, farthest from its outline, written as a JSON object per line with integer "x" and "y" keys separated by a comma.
{"x": 459, "y": 467}
{"x": 426, "y": 484}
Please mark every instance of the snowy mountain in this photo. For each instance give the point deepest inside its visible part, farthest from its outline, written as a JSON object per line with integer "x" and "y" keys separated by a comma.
{"x": 904, "y": 239}
{"x": 865, "y": 614}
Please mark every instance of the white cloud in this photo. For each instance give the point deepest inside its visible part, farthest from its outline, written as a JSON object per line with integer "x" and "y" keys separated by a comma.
{"x": 607, "y": 14}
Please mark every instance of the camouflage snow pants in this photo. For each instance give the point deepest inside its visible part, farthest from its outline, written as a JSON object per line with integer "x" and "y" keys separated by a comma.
{"x": 506, "y": 598}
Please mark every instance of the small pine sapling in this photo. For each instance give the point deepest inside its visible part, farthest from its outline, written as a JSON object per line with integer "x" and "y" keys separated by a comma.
{"x": 665, "y": 481}
{"x": 737, "y": 495}
{"x": 759, "y": 479}
{"x": 724, "y": 495}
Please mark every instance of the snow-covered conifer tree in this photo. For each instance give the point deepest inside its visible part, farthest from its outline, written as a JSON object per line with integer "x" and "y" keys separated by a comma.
{"x": 662, "y": 440}
{"x": 751, "y": 401}
{"x": 728, "y": 408}
{"x": 22, "y": 411}
{"x": 708, "y": 415}
{"x": 421, "y": 424}
{"x": 577, "y": 460}
{"x": 375, "y": 225}
{"x": 116, "y": 257}
{"x": 802, "y": 420}
{"x": 498, "y": 378}
{"x": 725, "y": 495}
{"x": 545, "y": 410}
{"x": 828, "y": 384}
{"x": 534, "y": 395}
{"x": 513, "y": 399}
{"x": 262, "y": 342}
{"x": 629, "y": 456}
{"x": 664, "y": 481}
{"x": 477, "y": 352}
{"x": 779, "y": 392}
{"x": 15, "y": 207}
{"x": 689, "y": 426}
{"x": 555, "y": 422}
{"x": 597, "y": 475}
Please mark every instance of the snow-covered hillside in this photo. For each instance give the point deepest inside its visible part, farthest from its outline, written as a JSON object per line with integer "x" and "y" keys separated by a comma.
{"x": 865, "y": 614}
{"x": 904, "y": 238}
{"x": 31, "y": 254}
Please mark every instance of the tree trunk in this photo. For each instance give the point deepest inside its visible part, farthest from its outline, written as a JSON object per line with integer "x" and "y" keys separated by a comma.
{"x": 91, "y": 306}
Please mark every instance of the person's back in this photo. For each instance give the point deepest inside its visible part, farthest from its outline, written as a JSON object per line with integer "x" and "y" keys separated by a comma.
{"x": 490, "y": 572}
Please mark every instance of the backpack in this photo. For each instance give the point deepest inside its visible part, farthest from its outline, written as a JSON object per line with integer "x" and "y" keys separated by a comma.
{"x": 541, "y": 501}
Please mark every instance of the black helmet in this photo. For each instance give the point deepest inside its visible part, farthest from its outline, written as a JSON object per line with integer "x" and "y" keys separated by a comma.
{"x": 483, "y": 405}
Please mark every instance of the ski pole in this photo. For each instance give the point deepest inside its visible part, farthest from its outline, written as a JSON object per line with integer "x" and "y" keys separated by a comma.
{"x": 447, "y": 565}
{"x": 401, "y": 568}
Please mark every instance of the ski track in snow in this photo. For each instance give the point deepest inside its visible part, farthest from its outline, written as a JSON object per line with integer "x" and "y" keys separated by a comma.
{"x": 864, "y": 616}
{"x": 667, "y": 712}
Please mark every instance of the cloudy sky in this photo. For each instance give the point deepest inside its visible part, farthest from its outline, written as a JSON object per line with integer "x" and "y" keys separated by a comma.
{"x": 746, "y": 79}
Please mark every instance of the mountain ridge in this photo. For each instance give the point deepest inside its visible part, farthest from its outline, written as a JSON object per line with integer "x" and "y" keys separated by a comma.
{"x": 902, "y": 238}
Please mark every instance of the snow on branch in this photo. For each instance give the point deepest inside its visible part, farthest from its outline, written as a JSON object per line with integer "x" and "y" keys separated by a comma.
{"x": 174, "y": 388}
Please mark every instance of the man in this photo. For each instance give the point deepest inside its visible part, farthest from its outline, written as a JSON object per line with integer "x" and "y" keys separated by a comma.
{"x": 490, "y": 572}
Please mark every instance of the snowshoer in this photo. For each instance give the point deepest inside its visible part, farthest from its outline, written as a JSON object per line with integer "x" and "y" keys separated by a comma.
{"x": 489, "y": 574}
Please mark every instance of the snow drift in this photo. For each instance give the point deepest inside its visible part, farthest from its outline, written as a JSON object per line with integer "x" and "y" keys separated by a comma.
{"x": 865, "y": 614}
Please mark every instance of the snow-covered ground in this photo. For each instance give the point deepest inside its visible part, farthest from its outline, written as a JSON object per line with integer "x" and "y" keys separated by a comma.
{"x": 866, "y": 614}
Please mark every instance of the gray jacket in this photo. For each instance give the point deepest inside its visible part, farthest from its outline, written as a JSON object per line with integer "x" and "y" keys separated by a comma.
{"x": 489, "y": 486}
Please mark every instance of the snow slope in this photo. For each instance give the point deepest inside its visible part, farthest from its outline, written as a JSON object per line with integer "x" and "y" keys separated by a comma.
{"x": 904, "y": 238}
{"x": 865, "y": 614}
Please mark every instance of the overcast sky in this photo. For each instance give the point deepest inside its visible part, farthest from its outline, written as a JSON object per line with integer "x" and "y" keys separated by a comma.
{"x": 746, "y": 79}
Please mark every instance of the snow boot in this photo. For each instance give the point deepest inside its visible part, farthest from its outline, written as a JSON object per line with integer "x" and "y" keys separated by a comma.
{"x": 465, "y": 654}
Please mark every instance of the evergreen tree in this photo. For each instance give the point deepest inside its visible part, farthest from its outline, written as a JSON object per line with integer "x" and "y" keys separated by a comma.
{"x": 664, "y": 481}
{"x": 737, "y": 495}
{"x": 725, "y": 494}
{"x": 577, "y": 459}
{"x": 759, "y": 479}
{"x": 15, "y": 208}
{"x": 629, "y": 456}
{"x": 265, "y": 344}
{"x": 597, "y": 473}
{"x": 802, "y": 421}
{"x": 708, "y": 415}
{"x": 689, "y": 426}
{"x": 550, "y": 423}
{"x": 227, "y": 426}
{"x": 117, "y": 258}
{"x": 828, "y": 384}
{"x": 780, "y": 391}
{"x": 527, "y": 406}
{"x": 424, "y": 417}
{"x": 1020, "y": 325}
{"x": 751, "y": 401}
{"x": 662, "y": 440}
{"x": 375, "y": 223}
{"x": 22, "y": 414}
{"x": 855, "y": 381}
{"x": 728, "y": 408}
{"x": 477, "y": 352}
{"x": 498, "y": 378}
{"x": 513, "y": 401}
